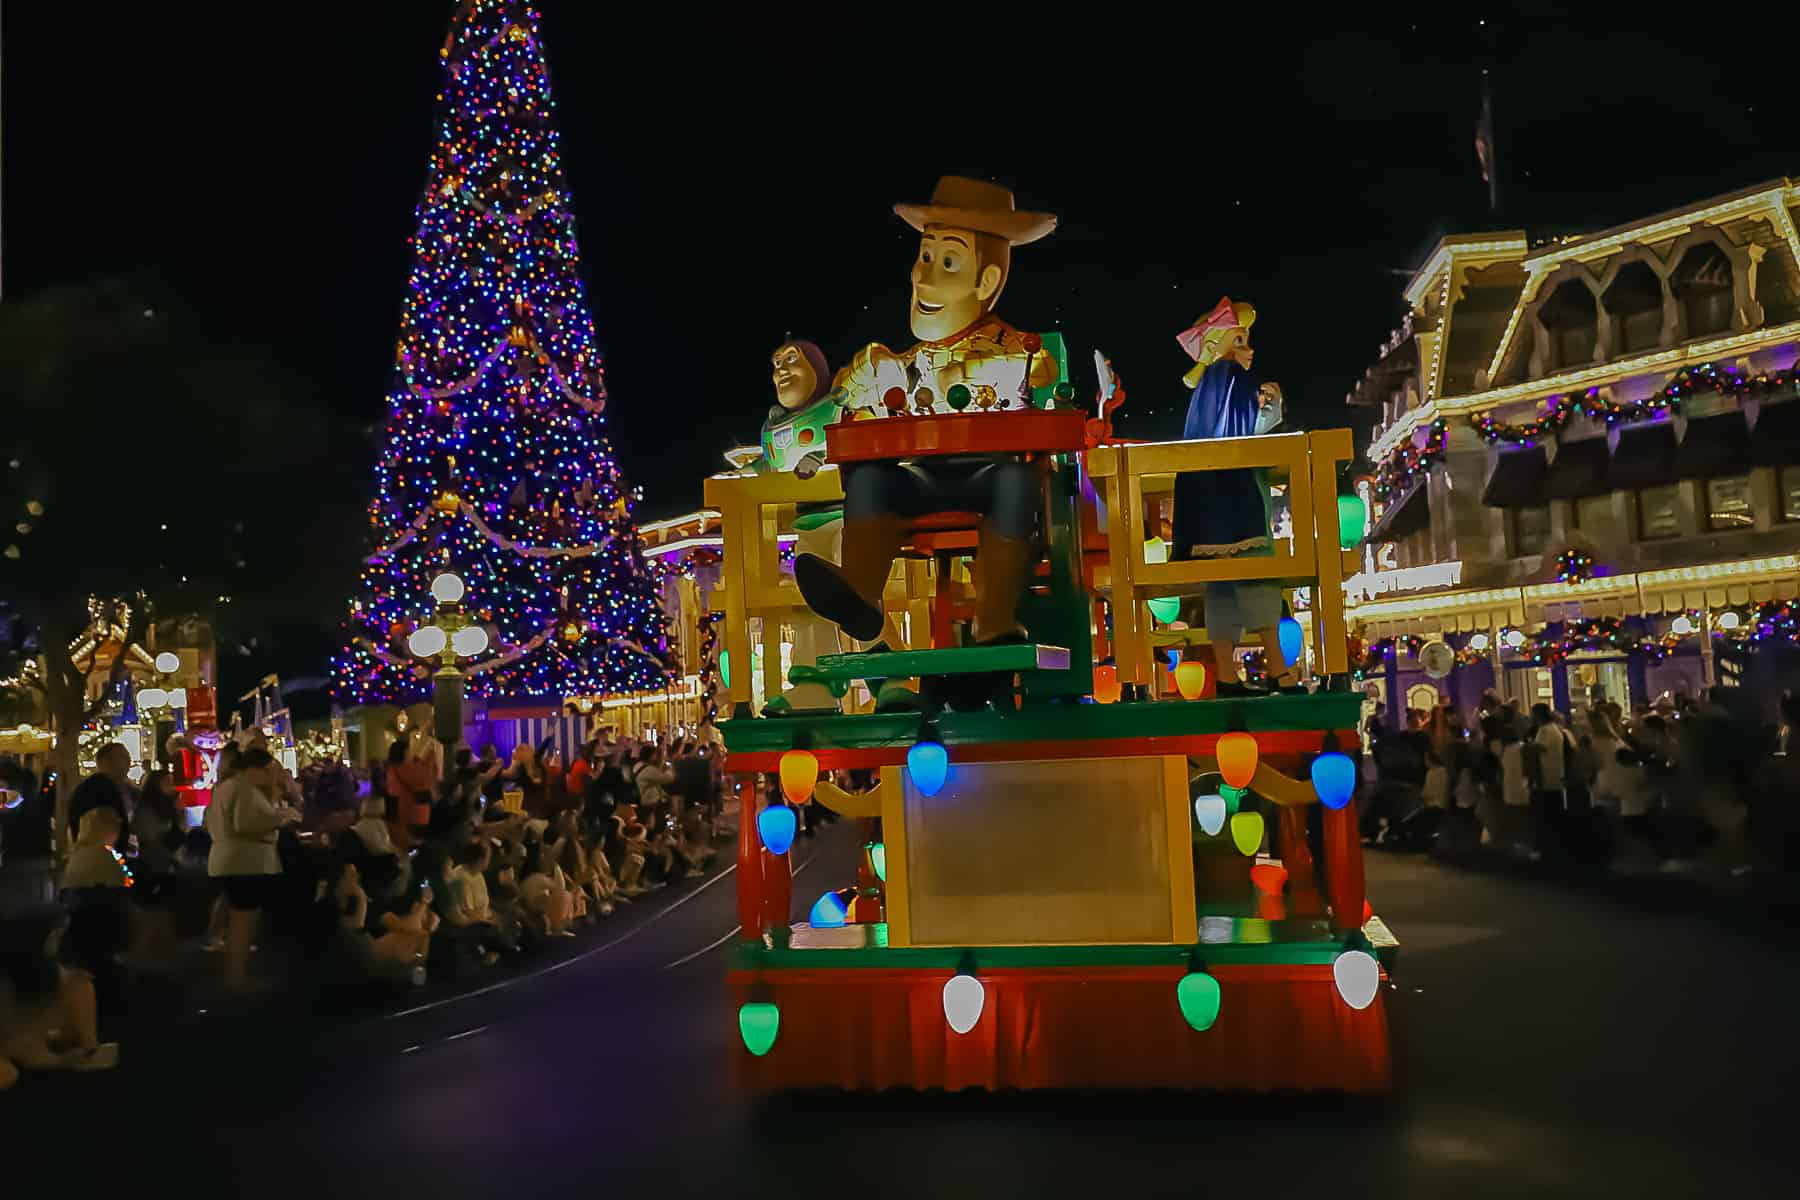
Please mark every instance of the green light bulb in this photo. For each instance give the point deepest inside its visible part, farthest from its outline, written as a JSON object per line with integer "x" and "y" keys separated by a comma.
{"x": 758, "y": 1023}
{"x": 878, "y": 860}
{"x": 1198, "y": 996}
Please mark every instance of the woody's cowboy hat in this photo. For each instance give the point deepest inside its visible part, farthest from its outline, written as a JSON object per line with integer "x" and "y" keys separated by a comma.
{"x": 978, "y": 206}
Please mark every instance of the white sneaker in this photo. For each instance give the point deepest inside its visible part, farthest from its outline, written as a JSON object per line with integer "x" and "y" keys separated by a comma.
{"x": 103, "y": 1057}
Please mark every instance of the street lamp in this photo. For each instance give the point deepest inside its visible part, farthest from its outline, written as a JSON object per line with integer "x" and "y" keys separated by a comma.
{"x": 450, "y": 636}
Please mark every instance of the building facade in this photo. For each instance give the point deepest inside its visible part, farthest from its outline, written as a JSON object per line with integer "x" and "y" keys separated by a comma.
{"x": 1586, "y": 463}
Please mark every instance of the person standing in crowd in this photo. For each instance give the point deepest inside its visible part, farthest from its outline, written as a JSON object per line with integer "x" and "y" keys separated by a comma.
{"x": 408, "y": 784}
{"x": 25, "y": 838}
{"x": 105, "y": 788}
{"x": 1546, "y": 764}
{"x": 579, "y": 776}
{"x": 694, "y": 780}
{"x": 1774, "y": 821}
{"x": 243, "y": 822}
{"x": 333, "y": 805}
{"x": 653, "y": 780}
{"x": 1515, "y": 788}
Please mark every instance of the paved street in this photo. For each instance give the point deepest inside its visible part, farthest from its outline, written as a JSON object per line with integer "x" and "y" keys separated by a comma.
{"x": 1553, "y": 1043}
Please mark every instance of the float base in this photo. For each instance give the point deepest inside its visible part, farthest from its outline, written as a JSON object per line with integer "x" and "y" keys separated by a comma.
{"x": 1281, "y": 1027}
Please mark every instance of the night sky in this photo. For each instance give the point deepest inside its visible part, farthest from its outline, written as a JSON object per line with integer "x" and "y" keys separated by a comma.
{"x": 734, "y": 170}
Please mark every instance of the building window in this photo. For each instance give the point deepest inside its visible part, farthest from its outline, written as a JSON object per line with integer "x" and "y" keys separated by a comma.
{"x": 1702, "y": 285}
{"x": 1530, "y": 530}
{"x": 1592, "y": 514}
{"x": 1659, "y": 512}
{"x": 1572, "y": 320}
{"x": 1790, "y": 493}
{"x": 1728, "y": 503}
{"x": 1635, "y": 302}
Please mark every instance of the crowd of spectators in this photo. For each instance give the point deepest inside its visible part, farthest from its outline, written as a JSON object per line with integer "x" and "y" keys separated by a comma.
{"x": 362, "y": 887}
{"x": 1685, "y": 784}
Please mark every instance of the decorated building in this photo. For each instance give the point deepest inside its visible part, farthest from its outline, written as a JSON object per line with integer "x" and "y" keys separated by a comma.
{"x": 1586, "y": 463}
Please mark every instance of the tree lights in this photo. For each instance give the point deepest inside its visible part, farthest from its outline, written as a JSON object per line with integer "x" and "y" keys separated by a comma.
{"x": 496, "y": 468}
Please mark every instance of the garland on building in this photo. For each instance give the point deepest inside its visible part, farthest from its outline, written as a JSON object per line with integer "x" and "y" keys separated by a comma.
{"x": 1547, "y": 649}
{"x": 1378, "y": 653}
{"x": 1727, "y": 382}
{"x": 1399, "y": 469}
{"x": 1762, "y": 622}
{"x": 1558, "y": 411}
{"x": 686, "y": 565}
{"x": 1574, "y": 566}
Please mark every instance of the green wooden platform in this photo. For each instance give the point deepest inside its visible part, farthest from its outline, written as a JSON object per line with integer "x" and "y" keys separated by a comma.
{"x": 1241, "y": 940}
{"x": 954, "y": 660}
{"x": 1337, "y": 711}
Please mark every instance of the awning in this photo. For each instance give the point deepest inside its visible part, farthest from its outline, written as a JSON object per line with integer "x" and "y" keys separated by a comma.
{"x": 1579, "y": 469}
{"x": 1405, "y": 514}
{"x": 1517, "y": 480}
{"x": 1645, "y": 457}
{"x": 1777, "y": 439}
{"x": 1712, "y": 446}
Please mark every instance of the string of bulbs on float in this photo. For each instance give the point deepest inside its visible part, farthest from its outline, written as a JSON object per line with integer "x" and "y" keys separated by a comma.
{"x": 494, "y": 295}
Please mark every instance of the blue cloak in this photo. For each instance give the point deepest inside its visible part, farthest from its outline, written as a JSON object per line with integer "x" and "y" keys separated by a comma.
{"x": 1221, "y": 512}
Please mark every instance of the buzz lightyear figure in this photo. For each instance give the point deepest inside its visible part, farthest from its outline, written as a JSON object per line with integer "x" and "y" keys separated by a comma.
{"x": 793, "y": 439}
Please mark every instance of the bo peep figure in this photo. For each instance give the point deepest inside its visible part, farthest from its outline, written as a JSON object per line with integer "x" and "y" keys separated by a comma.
{"x": 1224, "y": 514}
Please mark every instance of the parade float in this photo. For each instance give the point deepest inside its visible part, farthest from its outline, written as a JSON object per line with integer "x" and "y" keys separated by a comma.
{"x": 1095, "y": 855}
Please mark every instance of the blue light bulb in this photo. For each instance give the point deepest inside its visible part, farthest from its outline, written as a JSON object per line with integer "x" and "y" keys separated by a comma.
{"x": 828, "y": 912}
{"x": 1334, "y": 779}
{"x": 928, "y": 763}
{"x": 1292, "y": 640}
{"x": 777, "y": 824}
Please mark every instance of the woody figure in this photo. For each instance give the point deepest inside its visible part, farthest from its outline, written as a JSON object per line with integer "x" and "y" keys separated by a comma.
{"x": 967, "y": 233}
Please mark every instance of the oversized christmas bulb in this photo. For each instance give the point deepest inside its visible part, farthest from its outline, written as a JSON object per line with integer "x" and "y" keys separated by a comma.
{"x": 964, "y": 998}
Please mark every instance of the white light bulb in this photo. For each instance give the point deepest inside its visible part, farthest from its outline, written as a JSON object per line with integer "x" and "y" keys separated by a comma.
{"x": 1210, "y": 812}
{"x": 1358, "y": 977}
{"x": 470, "y": 641}
{"x": 1515, "y": 638}
{"x": 168, "y": 663}
{"x": 964, "y": 998}
{"x": 1479, "y": 641}
{"x": 447, "y": 588}
{"x": 1681, "y": 626}
{"x": 427, "y": 641}
{"x": 177, "y": 698}
{"x": 1729, "y": 620}
{"x": 152, "y": 698}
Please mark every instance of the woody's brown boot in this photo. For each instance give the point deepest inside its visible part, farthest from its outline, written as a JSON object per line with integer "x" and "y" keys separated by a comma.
{"x": 1000, "y": 566}
{"x": 850, "y": 595}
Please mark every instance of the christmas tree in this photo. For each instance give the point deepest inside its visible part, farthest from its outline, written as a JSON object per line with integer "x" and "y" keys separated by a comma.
{"x": 496, "y": 464}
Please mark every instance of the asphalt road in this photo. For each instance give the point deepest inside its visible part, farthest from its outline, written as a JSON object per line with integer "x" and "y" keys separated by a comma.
{"x": 1552, "y": 1043}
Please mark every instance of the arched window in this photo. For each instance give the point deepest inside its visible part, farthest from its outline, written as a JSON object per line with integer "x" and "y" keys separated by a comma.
{"x": 1635, "y": 304}
{"x": 1572, "y": 320}
{"x": 1702, "y": 286}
